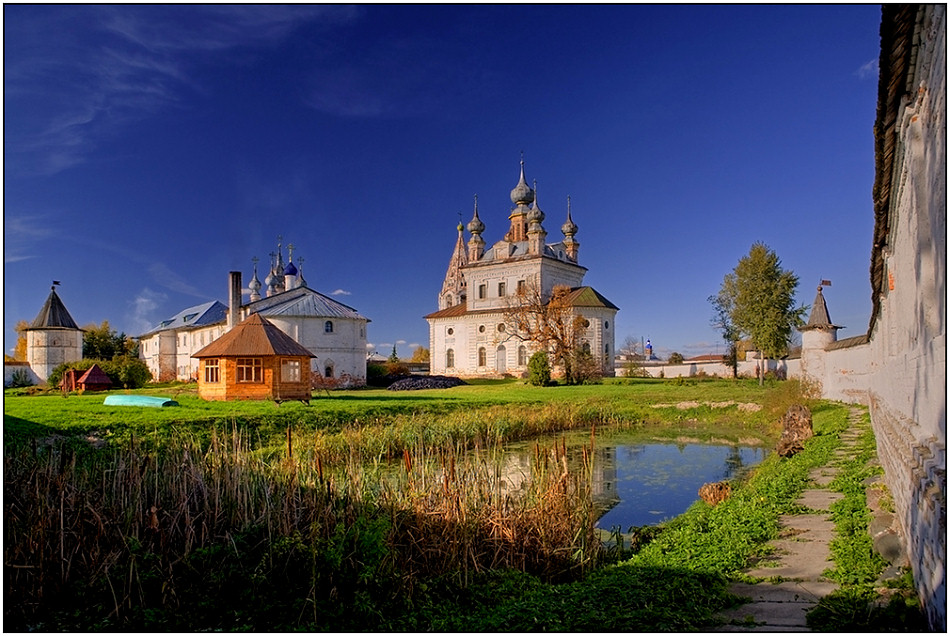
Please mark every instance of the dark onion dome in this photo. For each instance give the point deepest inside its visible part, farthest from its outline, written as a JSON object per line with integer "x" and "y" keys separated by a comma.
{"x": 535, "y": 214}
{"x": 522, "y": 194}
{"x": 290, "y": 270}
{"x": 569, "y": 228}
{"x": 475, "y": 226}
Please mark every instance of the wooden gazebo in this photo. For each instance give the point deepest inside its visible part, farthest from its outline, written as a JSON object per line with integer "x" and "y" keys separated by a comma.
{"x": 254, "y": 361}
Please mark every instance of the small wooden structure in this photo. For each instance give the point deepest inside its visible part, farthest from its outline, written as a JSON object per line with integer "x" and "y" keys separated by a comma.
{"x": 94, "y": 379}
{"x": 254, "y": 361}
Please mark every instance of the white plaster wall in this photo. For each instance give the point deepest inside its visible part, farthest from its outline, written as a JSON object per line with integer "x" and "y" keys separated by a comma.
{"x": 907, "y": 350}
{"x": 344, "y": 348}
{"x": 46, "y": 349}
{"x": 10, "y": 368}
{"x": 790, "y": 368}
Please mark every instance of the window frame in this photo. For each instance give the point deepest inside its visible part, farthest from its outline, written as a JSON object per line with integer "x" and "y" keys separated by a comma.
{"x": 249, "y": 370}
{"x": 212, "y": 371}
{"x": 291, "y": 367}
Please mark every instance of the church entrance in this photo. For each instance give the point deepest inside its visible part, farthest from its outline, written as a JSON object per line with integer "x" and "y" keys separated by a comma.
{"x": 500, "y": 359}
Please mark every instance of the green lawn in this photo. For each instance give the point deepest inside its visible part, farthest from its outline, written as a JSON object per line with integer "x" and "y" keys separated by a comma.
{"x": 331, "y": 560}
{"x": 459, "y": 412}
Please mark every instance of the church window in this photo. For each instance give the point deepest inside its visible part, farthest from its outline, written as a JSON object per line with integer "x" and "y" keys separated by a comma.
{"x": 448, "y": 300}
{"x": 520, "y": 286}
{"x": 606, "y": 325}
{"x": 449, "y": 359}
{"x": 502, "y": 289}
{"x": 481, "y": 356}
{"x": 328, "y": 371}
{"x": 501, "y": 327}
{"x": 250, "y": 370}
{"x": 481, "y": 328}
{"x": 450, "y": 331}
{"x": 482, "y": 291}
{"x": 328, "y": 326}
{"x": 586, "y": 324}
{"x": 522, "y": 356}
{"x": 212, "y": 371}
{"x": 586, "y": 347}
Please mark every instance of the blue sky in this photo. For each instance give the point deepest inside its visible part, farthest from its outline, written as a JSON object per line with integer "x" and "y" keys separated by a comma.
{"x": 149, "y": 150}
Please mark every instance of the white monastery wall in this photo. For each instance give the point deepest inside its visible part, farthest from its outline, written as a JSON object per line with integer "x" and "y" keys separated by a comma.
{"x": 907, "y": 378}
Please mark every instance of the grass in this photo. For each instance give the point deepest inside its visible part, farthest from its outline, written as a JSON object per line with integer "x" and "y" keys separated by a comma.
{"x": 212, "y": 517}
{"x": 495, "y": 410}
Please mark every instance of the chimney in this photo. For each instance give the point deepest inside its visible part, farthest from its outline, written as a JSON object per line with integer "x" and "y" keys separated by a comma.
{"x": 234, "y": 298}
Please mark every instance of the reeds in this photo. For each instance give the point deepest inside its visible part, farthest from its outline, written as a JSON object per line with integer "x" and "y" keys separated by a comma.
{"x": 129, "y": 522}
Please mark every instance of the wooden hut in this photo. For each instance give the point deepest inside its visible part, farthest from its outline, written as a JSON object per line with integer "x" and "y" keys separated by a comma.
{"x": 94, "y": 379}
{"x": 254, "y": 361}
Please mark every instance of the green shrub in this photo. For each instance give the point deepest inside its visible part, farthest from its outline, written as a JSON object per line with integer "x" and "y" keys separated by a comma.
{"x": 20, "y": 378}
{"x": 539, "y": 369}
{"x": 124, "y": 371}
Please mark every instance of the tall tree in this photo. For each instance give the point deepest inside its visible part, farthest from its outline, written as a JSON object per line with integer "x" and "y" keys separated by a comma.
{"x": 758, "y": 297}
{"x": 101, "y": 342}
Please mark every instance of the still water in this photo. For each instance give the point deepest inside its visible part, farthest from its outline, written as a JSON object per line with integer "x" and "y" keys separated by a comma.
{"x": 643, "y": 484}
{"x": 637, "y": 482}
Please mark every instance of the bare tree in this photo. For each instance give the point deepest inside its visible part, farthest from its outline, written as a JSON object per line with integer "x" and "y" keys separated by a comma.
{"x": 552, "y": 325}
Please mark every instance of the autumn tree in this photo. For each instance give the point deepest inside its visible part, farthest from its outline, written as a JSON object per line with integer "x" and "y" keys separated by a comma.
{"x": 758, "y": 299}
{"x": 551, "y": 324}
{"x": 19, "y": 351}
{"x": 420, "y": 354}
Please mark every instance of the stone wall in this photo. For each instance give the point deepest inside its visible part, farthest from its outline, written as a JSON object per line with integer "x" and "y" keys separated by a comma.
{"x": 907, "y": 359}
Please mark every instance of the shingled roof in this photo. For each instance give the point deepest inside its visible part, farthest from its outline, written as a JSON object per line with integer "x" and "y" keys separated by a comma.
{"x": 255, "y": 336}
{"x": 819, "y": 318}
{"x": 53, "y": 315}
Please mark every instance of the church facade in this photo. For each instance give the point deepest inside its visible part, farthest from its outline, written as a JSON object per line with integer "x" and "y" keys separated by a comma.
{"x": 473, "y": 332}
{"x": 335, "y": 333}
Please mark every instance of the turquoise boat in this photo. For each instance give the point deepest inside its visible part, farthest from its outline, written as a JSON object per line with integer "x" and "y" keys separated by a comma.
{"x": 138, "y": 400}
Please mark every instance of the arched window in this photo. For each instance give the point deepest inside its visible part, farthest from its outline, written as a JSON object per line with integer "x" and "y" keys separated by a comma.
{"x": 586, "y": 347}
{"x": 328, "y": 369}
{"x": 450, "y": 359}
{"x": 522, "y": 356}
{"x": 481, "y": 356}
{"x": 328, "y": 326}
{"x": 448, "y": 300}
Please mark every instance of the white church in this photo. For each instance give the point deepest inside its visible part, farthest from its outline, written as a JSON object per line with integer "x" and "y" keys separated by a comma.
{"x": 470, "y": 334}
{"x": 335, "y": 333}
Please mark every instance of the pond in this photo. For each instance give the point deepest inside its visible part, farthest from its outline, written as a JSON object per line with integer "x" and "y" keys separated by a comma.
{"x": 637, "y": 482}
{"x": 645, "y": 483}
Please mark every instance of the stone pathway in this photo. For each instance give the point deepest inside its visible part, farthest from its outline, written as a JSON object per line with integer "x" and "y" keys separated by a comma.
{"x": 802, "y": 554}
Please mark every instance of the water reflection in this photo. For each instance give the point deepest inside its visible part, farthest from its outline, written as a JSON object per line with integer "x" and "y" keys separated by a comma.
{"x": 637, "y": 484}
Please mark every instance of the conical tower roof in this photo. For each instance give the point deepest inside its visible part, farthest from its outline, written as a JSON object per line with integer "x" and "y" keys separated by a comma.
{"x": 53, "y": 315}
{"x": 819, "y": 318}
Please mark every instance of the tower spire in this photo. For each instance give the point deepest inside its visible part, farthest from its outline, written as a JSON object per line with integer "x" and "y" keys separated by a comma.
{"x": 569, "y": 229}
